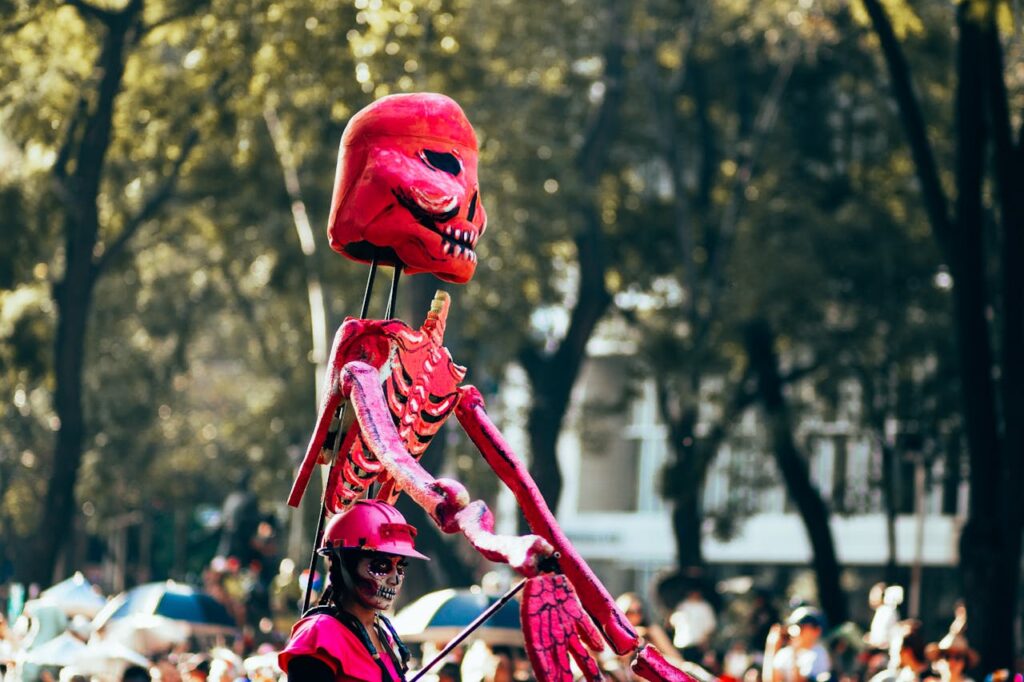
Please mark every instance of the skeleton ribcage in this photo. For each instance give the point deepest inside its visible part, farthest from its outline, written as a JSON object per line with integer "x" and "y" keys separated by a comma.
{"x": 417, "y": 412}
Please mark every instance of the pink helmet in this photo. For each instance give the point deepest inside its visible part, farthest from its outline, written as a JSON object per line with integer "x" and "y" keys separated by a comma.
{"x": 373, "y": 526}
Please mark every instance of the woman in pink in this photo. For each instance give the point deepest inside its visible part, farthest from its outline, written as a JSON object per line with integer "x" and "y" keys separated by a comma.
{"x": 346, "y": 637}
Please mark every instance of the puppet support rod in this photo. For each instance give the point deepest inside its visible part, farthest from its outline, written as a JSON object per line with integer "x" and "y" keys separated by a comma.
{"x": 477, "y": 622}
{"x": 364, "y": 310}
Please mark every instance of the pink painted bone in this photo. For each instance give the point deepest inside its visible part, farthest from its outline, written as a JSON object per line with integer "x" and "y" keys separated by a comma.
{"x": 595, "y": 598}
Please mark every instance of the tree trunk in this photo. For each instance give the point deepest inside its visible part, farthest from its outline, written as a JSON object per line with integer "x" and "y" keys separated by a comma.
{"x": 990, "y": 543}
{"x": 792, "y": 464}
{"x": 553, "y": 376}
{"x": 687, "y": 520}
{"x": 684, "y": 483}
{"x": 985, "y": 544}
{"x": 73, "y": 293}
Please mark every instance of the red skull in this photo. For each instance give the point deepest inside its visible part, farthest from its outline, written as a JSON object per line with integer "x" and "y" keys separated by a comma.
{"x": 406, "y": 187}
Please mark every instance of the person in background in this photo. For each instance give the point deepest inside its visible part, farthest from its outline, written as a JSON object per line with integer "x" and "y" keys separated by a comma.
{"x": 803, "y": 658}
{"x": 693, "y": 622}
{"x": 164, "y": 670}
{"x": 135, "y": 673}
{"x": 763, "y": 616}
{"x": 226, "y": 666}
{"x": 907, "y": 659}
{"x": 885, "y": 600}
{"x": 951, "y": 656}
{"x": 195, "y": 668}
{"x": 6, "y": 647}
{"x": 632, "y": 605}
{"x": 636, "y": 613}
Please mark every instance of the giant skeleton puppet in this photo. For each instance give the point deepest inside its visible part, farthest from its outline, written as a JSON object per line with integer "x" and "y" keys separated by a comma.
{"x": 406, "y": 195}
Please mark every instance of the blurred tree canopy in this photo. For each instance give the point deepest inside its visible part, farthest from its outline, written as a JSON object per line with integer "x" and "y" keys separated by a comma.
{"x": 730, "y": 181}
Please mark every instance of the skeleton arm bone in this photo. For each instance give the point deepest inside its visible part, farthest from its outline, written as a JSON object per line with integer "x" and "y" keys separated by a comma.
{"x": 593, "y": 595}
{"x": 356, "y": 339}
{"x": 446, "y": 501}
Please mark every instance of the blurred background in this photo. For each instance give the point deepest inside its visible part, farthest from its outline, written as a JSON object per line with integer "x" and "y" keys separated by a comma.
{"x": 750, "y": 301}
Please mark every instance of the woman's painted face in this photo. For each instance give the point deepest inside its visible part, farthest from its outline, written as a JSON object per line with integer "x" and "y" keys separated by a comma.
{"x": 379, "y": 578}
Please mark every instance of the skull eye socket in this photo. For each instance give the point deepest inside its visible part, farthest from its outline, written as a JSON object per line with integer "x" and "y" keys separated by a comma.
{"x": 380, "y": 566}
{"x": 442, "y": 161}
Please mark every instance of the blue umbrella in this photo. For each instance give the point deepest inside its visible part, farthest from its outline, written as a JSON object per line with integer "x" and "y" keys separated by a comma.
{"x": 170, "y": 600}
{"x": 440, "y": 616}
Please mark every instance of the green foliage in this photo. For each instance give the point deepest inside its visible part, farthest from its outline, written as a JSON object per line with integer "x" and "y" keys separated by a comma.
{"x": 197, "y": 363}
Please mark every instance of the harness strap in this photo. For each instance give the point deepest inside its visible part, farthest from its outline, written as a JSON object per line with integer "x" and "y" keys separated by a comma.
{"x": 359, "y": 630}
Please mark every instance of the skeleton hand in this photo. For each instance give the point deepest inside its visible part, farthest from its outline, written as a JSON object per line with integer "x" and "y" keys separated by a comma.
{"x": 556, "y": 627}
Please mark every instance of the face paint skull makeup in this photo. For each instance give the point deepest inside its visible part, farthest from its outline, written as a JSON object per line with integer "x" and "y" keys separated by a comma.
{"x": 406, "y": 187}
{"x": 378, "y": 579}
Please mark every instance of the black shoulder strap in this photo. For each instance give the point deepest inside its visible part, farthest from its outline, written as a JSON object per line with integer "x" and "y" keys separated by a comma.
{"x": 322, "y": 609}
{"x": 403, "y": 651}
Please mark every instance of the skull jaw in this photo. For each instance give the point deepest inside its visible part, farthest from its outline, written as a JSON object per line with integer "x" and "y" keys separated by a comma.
{"x": 369, "y": 594}
{"x": 416, "y": 248}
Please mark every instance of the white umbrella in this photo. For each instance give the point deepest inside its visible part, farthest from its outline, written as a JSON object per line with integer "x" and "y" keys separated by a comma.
{"x": 58, "y": 652}
{"x": 145, "y": 632}
{"x": 107, "y": 659}
{"x": 75, "y": 596}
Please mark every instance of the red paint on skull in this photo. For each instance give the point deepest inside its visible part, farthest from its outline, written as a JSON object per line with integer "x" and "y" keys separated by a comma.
{"x": 406, "y": 187}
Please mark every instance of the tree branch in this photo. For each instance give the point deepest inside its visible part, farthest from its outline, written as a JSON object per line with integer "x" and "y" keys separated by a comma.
{"x": 936, "y": 203}
{"x": 173, "y": 16}
{"x": 60, "y": 165}
{"x": 593, "y": 153}
{"x": 92, "y": 12}
{"x": 153, "y": 204}
{"x": 749, "y": 150}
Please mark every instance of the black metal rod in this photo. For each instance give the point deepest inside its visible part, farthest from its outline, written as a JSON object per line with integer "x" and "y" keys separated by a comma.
{"x": 393, "y": 296}
{"x": 477, "y": 622}
{"x": 363, "y": 311}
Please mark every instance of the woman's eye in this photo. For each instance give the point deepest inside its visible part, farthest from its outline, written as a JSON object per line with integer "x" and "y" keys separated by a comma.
{"x": 442, "y": 161}
{"x": 380, "y": 567}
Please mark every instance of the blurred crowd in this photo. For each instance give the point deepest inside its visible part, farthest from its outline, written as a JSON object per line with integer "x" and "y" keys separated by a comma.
{"x": 761, "y": 642}
{"x": 801, "y": 646}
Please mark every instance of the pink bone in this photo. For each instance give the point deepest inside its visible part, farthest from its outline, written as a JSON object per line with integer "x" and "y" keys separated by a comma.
{"x": 593, "y": 595}
{"x": 446, "y": 501}
{"x": 355, "y": 340}
{"x": 651, "y": 665}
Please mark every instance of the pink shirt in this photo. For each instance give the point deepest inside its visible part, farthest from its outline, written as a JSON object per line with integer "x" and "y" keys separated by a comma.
{"x": 324, "y": 638}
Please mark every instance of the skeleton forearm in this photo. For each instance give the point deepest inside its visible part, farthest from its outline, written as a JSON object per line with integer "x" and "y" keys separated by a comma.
{"x": 593, "y": 595}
